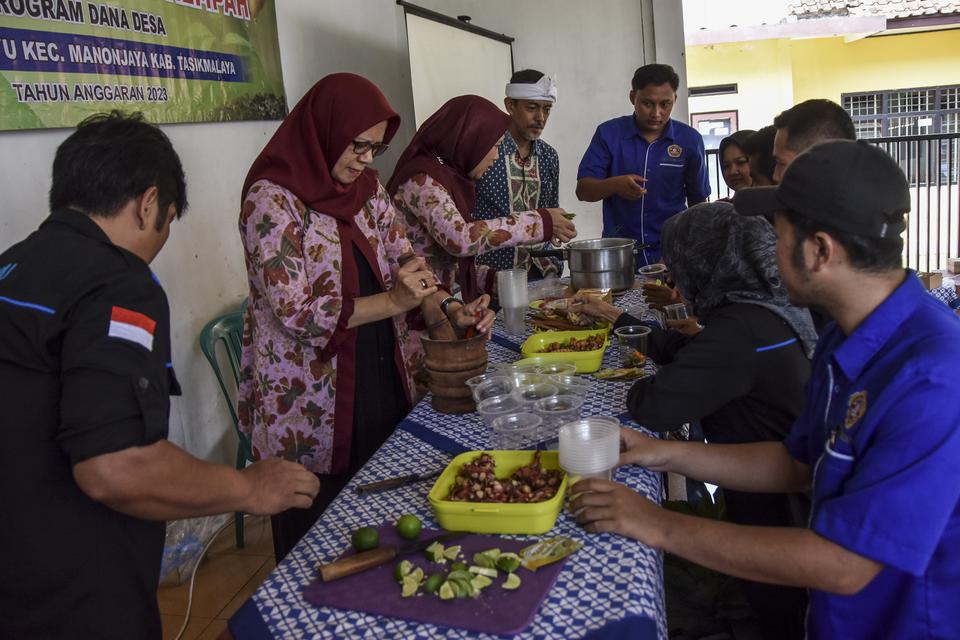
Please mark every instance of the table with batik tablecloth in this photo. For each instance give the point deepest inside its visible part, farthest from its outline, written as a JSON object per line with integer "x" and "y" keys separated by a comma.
{"x": 612, "y": 587}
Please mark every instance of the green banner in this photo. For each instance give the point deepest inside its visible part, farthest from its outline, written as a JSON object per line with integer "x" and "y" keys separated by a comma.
{"x": 174, "y": 60}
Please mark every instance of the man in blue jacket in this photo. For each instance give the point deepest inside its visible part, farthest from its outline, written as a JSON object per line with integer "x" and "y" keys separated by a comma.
{"x": 645, "y": 166}
{"x": 877, "y": 444}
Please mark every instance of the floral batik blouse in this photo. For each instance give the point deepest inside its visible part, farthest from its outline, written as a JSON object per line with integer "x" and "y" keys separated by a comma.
{"x": 288, "y": 384}
{"x": 439, "y": 233}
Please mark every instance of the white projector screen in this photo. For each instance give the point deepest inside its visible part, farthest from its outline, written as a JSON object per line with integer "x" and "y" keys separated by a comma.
{"x": 446, "y": 62}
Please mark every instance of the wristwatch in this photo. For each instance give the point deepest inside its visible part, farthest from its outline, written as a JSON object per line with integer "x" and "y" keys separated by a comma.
{"x": 446, "y": 302}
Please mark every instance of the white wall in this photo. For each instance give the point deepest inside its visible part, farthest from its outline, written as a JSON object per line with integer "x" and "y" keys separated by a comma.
{"x": 593, "y": 51}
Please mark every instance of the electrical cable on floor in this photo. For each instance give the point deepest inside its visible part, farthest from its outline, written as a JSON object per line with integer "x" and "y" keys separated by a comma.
{"x": 193, "y": 575}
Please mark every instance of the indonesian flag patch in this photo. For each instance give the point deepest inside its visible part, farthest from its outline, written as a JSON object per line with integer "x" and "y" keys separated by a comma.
{"x": 133, "y": 326}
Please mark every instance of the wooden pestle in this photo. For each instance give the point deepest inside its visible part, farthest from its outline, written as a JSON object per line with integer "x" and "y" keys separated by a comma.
{"x": 438, "y": 325}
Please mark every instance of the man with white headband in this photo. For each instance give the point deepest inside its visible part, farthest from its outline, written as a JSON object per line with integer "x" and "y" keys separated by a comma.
{"x": 526, "y": 175}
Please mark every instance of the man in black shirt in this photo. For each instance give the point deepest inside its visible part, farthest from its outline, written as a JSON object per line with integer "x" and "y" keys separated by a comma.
{"x": 87, "y": 478}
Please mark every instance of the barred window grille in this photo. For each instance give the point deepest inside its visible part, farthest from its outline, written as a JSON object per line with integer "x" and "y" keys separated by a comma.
{"x": 867, "y": 129}
{"x": 911, "y": 101}
{"x": 950, "y": 123}
{"x": 904, "y": 112}
{"x": 867, "y": 104}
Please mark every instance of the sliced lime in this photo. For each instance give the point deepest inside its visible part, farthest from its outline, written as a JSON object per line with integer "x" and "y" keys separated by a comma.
{"x": 403, "y": 568}
{"x": 451, "y": 553}
{"x": 512, "y": 582}
{"x": 434, "y": 553}
{"x": 483, "y": 571}
{"x": 508, "y": 562}
{"x": 446, "y": 591}
{"x": 481, "y": 582}
{"x": 410, "y": 586}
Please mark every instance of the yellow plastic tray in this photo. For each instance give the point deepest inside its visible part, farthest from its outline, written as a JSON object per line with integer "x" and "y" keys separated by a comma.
{"x": 495, "y": 517}
{"x": 586, "y": 361}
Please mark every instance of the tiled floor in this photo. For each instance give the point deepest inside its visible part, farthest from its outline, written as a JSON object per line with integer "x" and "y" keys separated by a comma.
{"x": 225, "y": 579}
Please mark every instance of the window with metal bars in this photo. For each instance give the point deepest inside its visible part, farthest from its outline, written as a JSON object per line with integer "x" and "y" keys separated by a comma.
{"x": 904, "y": 112}
{"x": 905, "y": 115}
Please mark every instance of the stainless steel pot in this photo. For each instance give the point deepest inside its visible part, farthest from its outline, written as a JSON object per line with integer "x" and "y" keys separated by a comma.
{"x": 601, "y": 263}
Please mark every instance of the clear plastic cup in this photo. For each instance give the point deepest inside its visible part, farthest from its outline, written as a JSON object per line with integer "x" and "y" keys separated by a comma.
{"x": 557, "y": 368}
{"x": 590, "y": 447}
{"x": 476, "y": 381}
{"x": 492, "y": 408}
{"x": 653, "y": 272}
{"x": 570, "y": 384}
{"x": 492, "y": 387}
{"x": 531, "y": 393}
{"x": 630, "y": 341}
{"x": 516, "y": 431}
{"x": 676, "y": 311}
{"x": 556, "y": 411}
{"x": 523, "y": 379}
{"x": 527, "y": 367}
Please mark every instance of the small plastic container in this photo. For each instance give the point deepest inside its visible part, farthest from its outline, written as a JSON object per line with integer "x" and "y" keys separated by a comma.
{"x": 531, "y": 393}
{"x": 558, "y": 368}
{"x": 523, "y": 379}
{"x": 491, "y": 387}
{"x": 492, "y": 408}
{"x": 632, "y": 340}
{"x": 523, "y": 366}
{"x": 532, "y": 518}
{"x": 590, "y": 447}
{"x": 491, "y": 373}
{"x": 572, "y": 385}
{"x": 676, "y": 311}
{"x": 653, "y": 273}
{"x": 556, "y": 411}
{"x": 516, "y": 431}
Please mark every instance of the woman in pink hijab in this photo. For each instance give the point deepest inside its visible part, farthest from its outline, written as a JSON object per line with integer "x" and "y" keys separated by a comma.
{"x": 433, "y": 186}
{"x": 327, "y": 363}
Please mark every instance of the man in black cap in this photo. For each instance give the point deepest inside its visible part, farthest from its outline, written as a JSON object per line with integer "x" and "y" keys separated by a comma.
{"x": 87, "y": 476}
{"x": 877, "y": 444}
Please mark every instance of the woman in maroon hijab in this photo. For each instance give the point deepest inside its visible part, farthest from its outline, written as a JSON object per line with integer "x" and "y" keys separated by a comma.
{"x": 326, "y": 324}
{"x": 433, "y": 186}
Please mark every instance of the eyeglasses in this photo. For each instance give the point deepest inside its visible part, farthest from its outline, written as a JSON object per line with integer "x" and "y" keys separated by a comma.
{"x": 360, "y": 147}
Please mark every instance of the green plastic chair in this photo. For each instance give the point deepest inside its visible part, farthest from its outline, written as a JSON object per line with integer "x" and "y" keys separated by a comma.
{"x": 229, "y": 329}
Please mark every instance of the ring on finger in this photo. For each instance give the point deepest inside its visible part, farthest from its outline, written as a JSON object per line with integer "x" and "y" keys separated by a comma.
{"x": 423, "y": 284}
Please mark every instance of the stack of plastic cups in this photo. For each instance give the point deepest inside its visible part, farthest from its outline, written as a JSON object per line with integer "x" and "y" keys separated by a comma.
{"x": 512, "y": 294}
{"x": 590, "y": 448}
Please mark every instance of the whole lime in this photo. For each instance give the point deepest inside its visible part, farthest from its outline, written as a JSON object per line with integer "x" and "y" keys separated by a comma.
{"x": 409, "y": 526}
{"x": 365, "y": 539}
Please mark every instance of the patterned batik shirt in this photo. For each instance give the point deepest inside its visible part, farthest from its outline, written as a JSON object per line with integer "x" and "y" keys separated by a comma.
{"x": 439, "y": 233}
{"x": 508, "y": 187}
{"x": 288, "y": 378}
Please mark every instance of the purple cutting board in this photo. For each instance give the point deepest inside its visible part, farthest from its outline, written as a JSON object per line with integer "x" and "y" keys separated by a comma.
{"x": 495, "y": 610}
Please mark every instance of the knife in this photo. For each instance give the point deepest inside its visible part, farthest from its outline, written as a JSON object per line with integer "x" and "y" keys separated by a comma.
{"x": 376, "y": 557}
{"x": 392, "y": 483}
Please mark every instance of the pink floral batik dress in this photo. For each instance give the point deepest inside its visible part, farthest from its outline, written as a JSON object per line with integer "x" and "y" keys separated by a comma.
{"x": 293, "y": 324}
{"x": 440, "y": 233}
